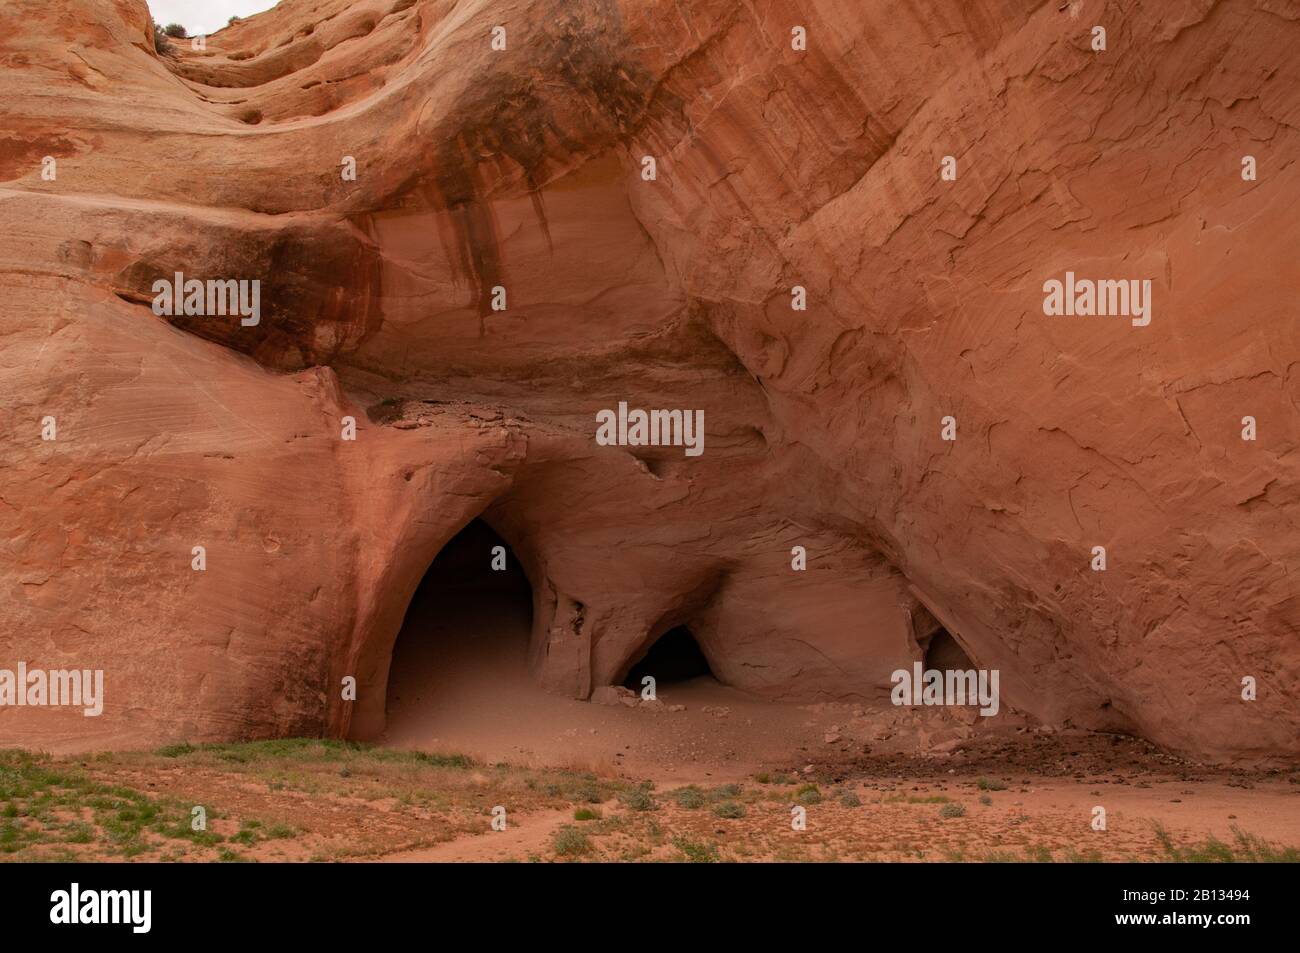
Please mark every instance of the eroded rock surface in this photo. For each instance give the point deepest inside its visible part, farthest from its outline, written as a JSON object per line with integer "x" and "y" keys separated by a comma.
{"x": 522, "y": 169}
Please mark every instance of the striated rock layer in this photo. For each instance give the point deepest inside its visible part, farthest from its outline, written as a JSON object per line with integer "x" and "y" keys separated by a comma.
{"x": 522, "y": 169}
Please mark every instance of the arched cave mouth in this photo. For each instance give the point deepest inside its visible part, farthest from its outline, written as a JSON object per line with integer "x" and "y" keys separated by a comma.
{"x": 463, "y": 644}
{"x": 674, "y": 657}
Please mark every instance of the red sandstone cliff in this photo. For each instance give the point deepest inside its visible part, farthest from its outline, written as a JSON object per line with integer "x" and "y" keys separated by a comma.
{"x": 522, "y": 168}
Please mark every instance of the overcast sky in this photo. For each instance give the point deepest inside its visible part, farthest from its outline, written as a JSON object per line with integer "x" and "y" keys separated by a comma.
{"x": 205, "y": 16}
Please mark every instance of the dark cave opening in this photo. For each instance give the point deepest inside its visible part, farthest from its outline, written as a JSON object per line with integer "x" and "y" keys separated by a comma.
{"x": 942, "y": 652}
{"x": 674, "y": 657}
{"x": 464, "y": 639}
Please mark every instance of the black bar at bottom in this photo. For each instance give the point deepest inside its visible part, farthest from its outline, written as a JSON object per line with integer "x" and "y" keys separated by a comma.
{"x": 330, "y": 903}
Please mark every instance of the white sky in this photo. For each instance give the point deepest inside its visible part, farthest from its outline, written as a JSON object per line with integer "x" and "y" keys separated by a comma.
{"x": 204, "y": 16}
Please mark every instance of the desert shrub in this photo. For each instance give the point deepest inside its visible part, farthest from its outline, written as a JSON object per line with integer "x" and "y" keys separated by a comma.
{"x": 696, "y": 852}
{"x": 571, "y": 842}
{"x": 990, "y": 784}
{"x": 985, "y": 800}
{"x": 808, "y": 794}
{"x": 952, "y": 810}
{"x": 689, "y": 797}
{"x": 729, "y": 810}
{"x": 175, "y": 31}
{"x": 849, "y": 799}
{"x": 638, "y": 799}
{"x": 586, "y": 814}
{"x": 160, "y": 41}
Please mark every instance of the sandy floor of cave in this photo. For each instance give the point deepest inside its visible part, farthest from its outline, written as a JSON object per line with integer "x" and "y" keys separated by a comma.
{"x": 464, "y": 687}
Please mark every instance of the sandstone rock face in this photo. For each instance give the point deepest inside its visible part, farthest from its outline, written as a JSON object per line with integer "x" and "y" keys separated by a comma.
{"x": 523, "y": 170}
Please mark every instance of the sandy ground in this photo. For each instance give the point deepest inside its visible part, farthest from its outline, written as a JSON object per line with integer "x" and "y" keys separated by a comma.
{"x": 1018, "y": 826}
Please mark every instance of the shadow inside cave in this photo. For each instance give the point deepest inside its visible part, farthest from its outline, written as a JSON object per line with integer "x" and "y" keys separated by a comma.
{"x": 459, "y": 682}
{"x": 674, "y": 657}
{"x": 462, "y": 649}
{"x": 944, "y": 653}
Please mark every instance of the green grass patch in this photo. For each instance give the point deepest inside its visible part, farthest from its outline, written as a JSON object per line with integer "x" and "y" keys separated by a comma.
{"x": 51, "y": 803}
{"x": 1245, "y": 848}
{"x": 313, "y": 750}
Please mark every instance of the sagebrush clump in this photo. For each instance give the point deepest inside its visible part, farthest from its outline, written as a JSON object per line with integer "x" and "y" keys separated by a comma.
{"x": 571, "y": 842}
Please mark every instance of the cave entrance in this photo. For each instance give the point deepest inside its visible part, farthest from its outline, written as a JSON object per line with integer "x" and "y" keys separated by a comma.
{"x": 462, "y": 649}
{"x": 943, "y": 653}
{"x": 674, "y": 657}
